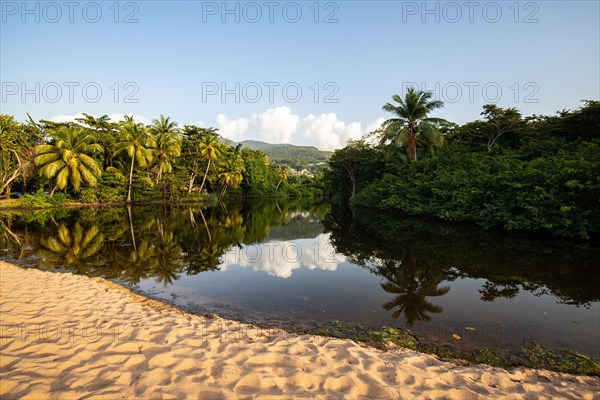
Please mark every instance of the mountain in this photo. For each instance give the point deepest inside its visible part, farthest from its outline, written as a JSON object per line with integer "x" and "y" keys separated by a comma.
{"x": 297, "y": 157}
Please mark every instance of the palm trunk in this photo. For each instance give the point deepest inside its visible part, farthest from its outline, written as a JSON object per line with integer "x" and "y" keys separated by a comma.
{"x": 205, "y": 174}
{"x": 130, "y": 180}
{"x": 412, "y": 142}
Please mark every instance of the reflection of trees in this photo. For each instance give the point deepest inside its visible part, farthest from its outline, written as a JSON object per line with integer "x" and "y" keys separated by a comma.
{"x": 491, "y": 291}
{"x": 138, "y": 262}
{"x": 71, "y": 245}
{"x": 412, "y": 285}
{"x": 560, "y": 268}
{"x": 139, "y": 242}
{"x": 168, "y": 257}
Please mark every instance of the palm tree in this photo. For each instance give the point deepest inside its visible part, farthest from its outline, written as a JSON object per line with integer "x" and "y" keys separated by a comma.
{"x": 230, "y": 174}
{"x": 105, "y": 132}
{"x": 282, "y": 174}
{"x": 210, "y": 148}
{"x": 137, "y": 144}
{"x": 168, "y": 144}
{"x": 68, "y": 159}
{"x": 411, "y": 119}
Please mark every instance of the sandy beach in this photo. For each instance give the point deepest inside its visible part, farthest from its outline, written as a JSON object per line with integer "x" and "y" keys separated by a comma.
{"x": 65, "y": 336}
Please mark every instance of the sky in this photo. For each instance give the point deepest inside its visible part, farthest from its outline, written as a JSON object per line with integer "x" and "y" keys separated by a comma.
{"x": 304, "y": 72}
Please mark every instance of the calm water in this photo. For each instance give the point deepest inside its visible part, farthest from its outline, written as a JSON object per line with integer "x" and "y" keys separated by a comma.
{"x": 302, "y": 265}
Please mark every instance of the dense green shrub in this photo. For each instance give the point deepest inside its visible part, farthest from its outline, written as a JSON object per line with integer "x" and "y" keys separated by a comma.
{"x": 556, "y": 192}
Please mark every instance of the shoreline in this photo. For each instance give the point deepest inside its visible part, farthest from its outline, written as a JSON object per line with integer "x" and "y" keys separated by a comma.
{"x": 70, "y": 336}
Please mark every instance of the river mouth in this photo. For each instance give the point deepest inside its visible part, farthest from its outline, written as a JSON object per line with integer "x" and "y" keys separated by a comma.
{"x": 314, "y": 268}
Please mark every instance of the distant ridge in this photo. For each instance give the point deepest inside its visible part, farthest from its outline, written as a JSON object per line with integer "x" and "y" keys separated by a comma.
{"x": 297, "y": 157}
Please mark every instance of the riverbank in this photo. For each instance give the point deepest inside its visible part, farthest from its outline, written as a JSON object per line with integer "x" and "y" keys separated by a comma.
{"x": 70, "y": 336}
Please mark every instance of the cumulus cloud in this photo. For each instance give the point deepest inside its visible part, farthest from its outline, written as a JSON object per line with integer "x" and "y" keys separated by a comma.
{"x": 329, "y": 133}
{"x": 281, "y": 125}
{"x": 276, "y": 125}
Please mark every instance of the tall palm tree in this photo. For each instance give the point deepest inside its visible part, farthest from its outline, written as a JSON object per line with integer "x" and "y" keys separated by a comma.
{"x": 230, "y": 174}
{"x": 411, "y": 119}
{"x": 210, "y": 149}
{"x": 137, "y": 144}
{"x": 69, "y": 158}
{"x": 168, "y": 144}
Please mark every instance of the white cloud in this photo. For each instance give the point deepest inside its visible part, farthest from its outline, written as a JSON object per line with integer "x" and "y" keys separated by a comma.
{"x": 231, "y": 129}
{"x": 328, "y": 132}
{"x": 281, "y": 125}
{"x": 276, "y": 124}
{"x": 66, "y": 118}
{"x": 116, "y": 117}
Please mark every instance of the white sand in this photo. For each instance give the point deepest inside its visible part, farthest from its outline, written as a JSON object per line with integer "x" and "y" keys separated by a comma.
{"x": 66, "y": 336}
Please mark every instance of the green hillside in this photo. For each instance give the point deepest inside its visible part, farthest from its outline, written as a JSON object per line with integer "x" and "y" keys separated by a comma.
{"x": 297, "y": 157}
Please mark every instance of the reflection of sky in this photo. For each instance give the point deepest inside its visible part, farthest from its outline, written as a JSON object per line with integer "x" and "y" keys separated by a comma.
{"x": 281, "y": 258}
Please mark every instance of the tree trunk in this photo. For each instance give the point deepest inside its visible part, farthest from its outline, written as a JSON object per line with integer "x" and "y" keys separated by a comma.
{"x": 412, "y": 142}
{"x": 205, "y": 174}
{"x": 191, "y": 184}
{"x": 130, "y": 179}
{"x": 223, "y": 192}
{"x": 353, "y": 189}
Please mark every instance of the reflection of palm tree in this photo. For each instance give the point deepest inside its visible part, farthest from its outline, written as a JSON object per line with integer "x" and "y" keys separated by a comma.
{"x": 140, "y": 261}
{"x": 168, "y": 258}
{"x": 73, "y": 245}
{"x": 412, "y": 285}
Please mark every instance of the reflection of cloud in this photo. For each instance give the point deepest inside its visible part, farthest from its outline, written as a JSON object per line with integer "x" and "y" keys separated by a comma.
{"x": 281, "y": 258}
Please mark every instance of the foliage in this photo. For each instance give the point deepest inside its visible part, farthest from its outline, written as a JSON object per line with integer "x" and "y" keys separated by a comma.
{"x": 539, "y": 175}
{"x": 42, "y": 200}
{"x": 352, "y": 168}
{"x": 411, "y": 121}
{"x": 68, "y": 158}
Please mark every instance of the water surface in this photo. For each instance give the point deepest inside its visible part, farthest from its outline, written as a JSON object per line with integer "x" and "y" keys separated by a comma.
{"x": 308, "y": 265}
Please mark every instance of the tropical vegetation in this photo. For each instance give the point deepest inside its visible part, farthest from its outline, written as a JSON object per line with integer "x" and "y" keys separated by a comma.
{"x": 94, "y": 159}
{"x": 506, "y": 171}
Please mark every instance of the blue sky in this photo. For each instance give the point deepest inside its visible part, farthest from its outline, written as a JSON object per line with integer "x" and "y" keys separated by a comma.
{"x": 282, "y": 72}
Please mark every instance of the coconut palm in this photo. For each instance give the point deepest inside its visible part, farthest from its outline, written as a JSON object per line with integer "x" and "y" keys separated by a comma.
{"x": 68, "y": 158}
{"x": 137, "y": 144}
{"x": 230, "y": 174}
{"x": 282, "y": 174}
{"x": 105, "y": 132}
{"x": 210, "y": 149}
{"x": 168, "y": 144}
{"x": 411, "y": 120}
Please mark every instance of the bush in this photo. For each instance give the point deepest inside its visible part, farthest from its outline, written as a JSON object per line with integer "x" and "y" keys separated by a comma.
{"x": 42, "y": 200}
{"x": 554, "y": 192}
